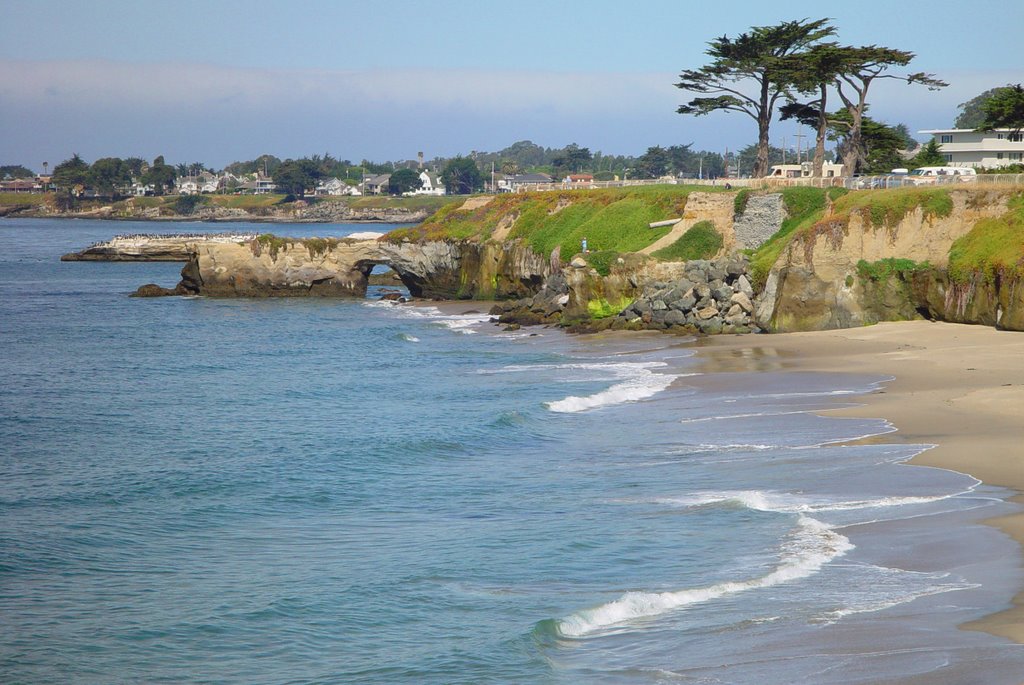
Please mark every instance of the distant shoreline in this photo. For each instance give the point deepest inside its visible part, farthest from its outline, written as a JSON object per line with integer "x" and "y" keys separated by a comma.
{"x": 230, "y": 208}
{"x": 195, "y": 220}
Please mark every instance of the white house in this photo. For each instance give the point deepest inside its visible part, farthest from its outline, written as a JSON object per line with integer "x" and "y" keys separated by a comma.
{"x": 335, "y": 186}
{"x": 970, "y": 148}
{"x": 430, "y": 184}
{"x": 192, "y": 185}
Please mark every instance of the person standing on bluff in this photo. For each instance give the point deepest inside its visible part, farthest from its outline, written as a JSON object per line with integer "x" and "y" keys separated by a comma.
{"x": 583, "y": 246}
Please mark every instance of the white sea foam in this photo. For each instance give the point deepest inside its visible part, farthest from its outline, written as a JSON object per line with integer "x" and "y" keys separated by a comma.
{"x": 894, "y": 600}
{"x": 409, "y": 338}
{"x": 637, "y": 382}
{"x": 723, "y": 417}
{"x": 780, "y": 502}
{"x": 462, "y": 323}
{"x": 811, "y": 545}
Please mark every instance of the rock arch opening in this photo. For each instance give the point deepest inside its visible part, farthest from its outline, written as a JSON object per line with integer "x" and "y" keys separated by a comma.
{"x": 382, "y": 274}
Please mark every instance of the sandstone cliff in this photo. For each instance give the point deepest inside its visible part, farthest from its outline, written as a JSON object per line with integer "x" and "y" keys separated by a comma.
{"x": 887, "y": 257}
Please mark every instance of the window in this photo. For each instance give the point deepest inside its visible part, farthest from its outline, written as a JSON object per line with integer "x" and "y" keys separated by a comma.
{"x": 1017, "y": 156}
{"x": 1014, "y": 137}
{"x": 999, "y": 136}
{"x": 999, "y": 155}
{"x": 946, "y": 139}
{"x": 949, "y": 158}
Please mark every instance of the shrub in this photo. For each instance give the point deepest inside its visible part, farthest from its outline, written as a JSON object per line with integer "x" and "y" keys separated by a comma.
{"x": 602, "y": 261}
{"x": 186, "y": 204}
{"x": 884, "y": 269}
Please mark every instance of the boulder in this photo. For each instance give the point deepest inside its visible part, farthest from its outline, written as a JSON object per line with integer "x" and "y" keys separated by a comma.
{"x": 154, "y": 290}
{"x": 744, "y": 301}
{"x": 722, "y": 293}
{"x": 706, "y": 313}
{"x": 743, "y": 285}
{"x": 674, "y": 318}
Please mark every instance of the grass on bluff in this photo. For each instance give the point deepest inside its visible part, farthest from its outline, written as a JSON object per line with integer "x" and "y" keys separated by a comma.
{"x": 431, "y": 203}
{"x": 880, "y": 208}
{"x": 994, "y": 248}
{"x": 611, "y": 219}
{"x": 246, "y": 202}
{"x": 889, "y": 207}
{"x": 701, "y": 241}
{"x": 16, "y": 199}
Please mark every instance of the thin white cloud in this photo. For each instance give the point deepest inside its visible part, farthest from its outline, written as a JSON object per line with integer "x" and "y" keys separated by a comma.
{"x": 218, "y": 114}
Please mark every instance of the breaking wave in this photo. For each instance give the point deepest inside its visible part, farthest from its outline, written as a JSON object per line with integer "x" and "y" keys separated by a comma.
{"x": 807, "y": 548}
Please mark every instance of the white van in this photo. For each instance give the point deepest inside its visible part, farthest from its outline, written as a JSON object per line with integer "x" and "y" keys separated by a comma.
{"x": 942, "y": 174}
{"x": 804, "y": 170}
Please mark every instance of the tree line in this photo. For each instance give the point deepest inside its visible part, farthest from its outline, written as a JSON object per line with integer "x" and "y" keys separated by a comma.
{"x": 797, "y": 61}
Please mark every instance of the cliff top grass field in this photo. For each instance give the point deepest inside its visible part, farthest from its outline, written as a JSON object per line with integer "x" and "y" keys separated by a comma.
{"x": 611, "y": 219}
{"x": 616, "y": 220}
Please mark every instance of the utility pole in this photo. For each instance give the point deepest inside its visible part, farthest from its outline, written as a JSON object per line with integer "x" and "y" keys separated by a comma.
{"x": 799, "y": 138}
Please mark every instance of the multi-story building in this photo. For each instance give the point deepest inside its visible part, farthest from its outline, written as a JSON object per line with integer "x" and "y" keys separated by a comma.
{"x": 989, "y": 149}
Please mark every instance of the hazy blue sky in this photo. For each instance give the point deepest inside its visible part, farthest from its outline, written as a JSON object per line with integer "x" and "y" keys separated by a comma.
{"x": 219, "y": 81}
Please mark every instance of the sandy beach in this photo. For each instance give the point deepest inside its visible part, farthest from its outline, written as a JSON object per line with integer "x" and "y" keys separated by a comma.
{"x": 958, "y": 387}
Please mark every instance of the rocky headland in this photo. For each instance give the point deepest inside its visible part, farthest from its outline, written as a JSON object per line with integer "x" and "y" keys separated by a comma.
{"x": 805, "y": 260}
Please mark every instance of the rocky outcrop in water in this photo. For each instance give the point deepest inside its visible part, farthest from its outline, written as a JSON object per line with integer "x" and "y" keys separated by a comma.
{"x": 151, "y": 248}
{"x": 282, "y": 267}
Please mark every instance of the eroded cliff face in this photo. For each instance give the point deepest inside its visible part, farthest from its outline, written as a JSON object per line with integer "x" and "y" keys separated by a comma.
{"x": 816, "y": 285}
{"x": 339, "y": 268}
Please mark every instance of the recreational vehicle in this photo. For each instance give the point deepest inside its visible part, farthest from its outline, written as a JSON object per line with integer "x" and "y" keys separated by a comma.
{"x": 804, "y": 170}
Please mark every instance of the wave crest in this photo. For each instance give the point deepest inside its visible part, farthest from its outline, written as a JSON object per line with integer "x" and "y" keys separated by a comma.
{"x": 807, "y": 548}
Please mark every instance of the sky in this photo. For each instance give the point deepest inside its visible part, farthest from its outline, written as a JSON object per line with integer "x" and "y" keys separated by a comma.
{"x": 222, "y": 81}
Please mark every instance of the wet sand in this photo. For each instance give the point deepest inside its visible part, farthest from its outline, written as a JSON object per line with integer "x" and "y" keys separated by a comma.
{"x": 958, "y": 387}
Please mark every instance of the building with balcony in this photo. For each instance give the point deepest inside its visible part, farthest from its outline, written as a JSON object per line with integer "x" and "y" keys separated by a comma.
{"x": 989, "y": 149}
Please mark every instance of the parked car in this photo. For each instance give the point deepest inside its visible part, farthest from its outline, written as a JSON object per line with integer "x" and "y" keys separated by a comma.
{"x": 936, "y": 174}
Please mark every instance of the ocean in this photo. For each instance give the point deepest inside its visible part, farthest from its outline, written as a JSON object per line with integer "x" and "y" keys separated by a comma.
{"x": 351, "y": 491}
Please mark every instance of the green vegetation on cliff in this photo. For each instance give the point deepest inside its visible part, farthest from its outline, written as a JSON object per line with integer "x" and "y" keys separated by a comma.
{"x": 889, "y": 207}
{"x": 611, "y": 219}
{"x": 806, "y": 209}
{"x": 701, "y": 241}
{"x": 993, "y": 249}
{"x": 803, "y": 206}
{"x": 884, "y": 269}
{"x": 274, "y": 244}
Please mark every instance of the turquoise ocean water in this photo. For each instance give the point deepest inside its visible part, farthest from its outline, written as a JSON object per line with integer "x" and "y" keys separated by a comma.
{"x": 317, "y": 491}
